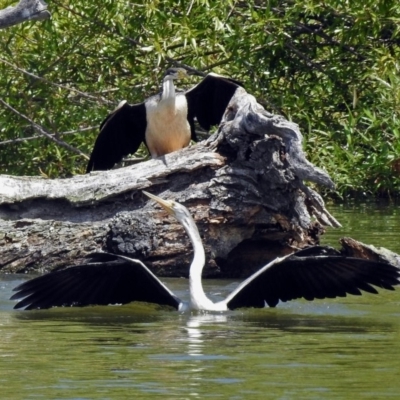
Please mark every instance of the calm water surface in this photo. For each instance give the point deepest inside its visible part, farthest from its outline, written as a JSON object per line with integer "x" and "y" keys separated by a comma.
{"x": 372, "y": 223}
{"x": 338, "y": 349}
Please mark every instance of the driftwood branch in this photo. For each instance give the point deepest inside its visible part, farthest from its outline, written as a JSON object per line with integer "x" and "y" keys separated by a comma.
{"x": 245, "y": 185}
{"x": 25, "y": 10}
{"x": 353, "y": 248}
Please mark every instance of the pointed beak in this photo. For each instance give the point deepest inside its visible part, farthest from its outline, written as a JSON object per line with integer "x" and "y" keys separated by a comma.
{"x": 195, "y": 73}
{"x": 165, "y": 204}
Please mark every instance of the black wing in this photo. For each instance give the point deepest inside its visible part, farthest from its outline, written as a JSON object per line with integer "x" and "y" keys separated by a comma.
{"x": 314, "y": 277}
{"x": 208, "y": 100}
{"x": 121, "y": 133}
{"x": 110, "y": 279}
{"x": 317, "y": 251}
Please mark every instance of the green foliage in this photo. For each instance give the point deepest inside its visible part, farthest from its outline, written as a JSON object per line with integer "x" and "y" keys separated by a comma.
{"x": 332, "y": 67}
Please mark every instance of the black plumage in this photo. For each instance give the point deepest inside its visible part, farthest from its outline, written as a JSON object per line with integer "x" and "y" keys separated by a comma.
{"x": 120, "y": 135}
{"x": 312, "y": 277}
{"x": 315, "y": 273}
{"x": 105, "y": 279}
{"x": 122, "y": 132}
{"x": 114, "y": 279}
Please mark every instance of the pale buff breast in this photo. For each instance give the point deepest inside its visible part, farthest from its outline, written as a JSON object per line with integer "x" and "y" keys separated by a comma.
{"x": 167, "y": 128}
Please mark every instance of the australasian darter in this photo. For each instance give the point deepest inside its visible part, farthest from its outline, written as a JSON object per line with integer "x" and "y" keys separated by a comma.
{"x": 115, "y": 279}
{"x": 164, "y": 122}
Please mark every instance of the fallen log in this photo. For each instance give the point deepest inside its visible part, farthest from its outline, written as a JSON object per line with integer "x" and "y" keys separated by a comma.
{"x": 245, "y": 186}
{"x": 353, "y": 248}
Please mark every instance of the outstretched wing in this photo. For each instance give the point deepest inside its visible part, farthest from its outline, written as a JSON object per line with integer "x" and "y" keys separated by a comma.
{"x": 317, "y": 251}
{"x": 121, "y": 133}
{"x": 107, "y": 279}
{"x": 208, "y": 100}
{"x": 313, "y": 277}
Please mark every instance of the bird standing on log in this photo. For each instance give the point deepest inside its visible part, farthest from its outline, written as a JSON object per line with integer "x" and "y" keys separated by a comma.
{"x": 164, "y": 122}
{"x": 115, "y": 279}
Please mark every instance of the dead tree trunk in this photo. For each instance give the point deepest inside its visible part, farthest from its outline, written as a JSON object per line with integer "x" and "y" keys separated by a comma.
{"x": 244, "y": 186}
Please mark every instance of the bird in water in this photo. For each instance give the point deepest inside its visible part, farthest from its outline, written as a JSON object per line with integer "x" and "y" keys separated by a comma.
{"x": 313, "y": 273}
{"x": 164, "y": 122}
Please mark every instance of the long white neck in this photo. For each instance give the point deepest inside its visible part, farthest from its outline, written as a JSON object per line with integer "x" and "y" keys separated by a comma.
{"x": 198, "y": 299}
{"x": 168, "y": 93}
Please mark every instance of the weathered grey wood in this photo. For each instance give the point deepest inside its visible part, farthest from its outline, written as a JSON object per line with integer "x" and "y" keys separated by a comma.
{"x": 354, "y": 248}
{"x": 245, "y": 186}
{"x": 25, "y": 10}
{"x": 83, "y": 190}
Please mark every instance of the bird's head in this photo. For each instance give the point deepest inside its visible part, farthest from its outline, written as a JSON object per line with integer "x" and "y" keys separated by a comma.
{"x": 180, "y": 212}
{"x": 175, "y": 73}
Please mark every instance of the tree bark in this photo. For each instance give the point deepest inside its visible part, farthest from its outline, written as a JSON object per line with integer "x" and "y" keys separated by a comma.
{"x": 353, "y": 248}
{"x": 244, "y": 186}
{"x": 25, "y": 10}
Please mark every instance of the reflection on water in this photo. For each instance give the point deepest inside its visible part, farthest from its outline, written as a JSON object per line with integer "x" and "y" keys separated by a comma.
{"x": 324, "y": 349}
{"x": 333, "y": 349}
{"x": 195, "y": 332}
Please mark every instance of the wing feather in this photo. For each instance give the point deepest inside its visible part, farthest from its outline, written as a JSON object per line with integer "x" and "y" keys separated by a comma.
{"x": 121, "y": 133}
{"x": 310, "y": 278}
{"x": 120, "y": 280}
{"x": 208, "y": 100}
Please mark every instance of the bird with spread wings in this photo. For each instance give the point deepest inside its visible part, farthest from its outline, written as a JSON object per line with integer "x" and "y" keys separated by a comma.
{"x": 313, "y": 273}
{"x": 164, "y": 122}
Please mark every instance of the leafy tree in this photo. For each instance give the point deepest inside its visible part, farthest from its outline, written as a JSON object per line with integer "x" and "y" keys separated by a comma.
{"x": 330, "y": 66}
